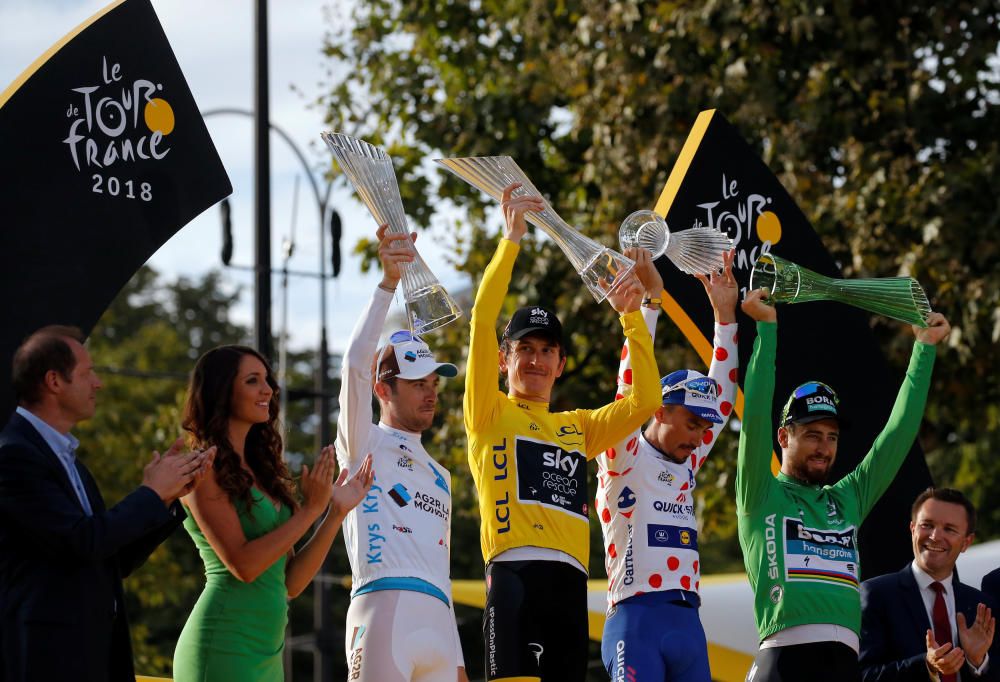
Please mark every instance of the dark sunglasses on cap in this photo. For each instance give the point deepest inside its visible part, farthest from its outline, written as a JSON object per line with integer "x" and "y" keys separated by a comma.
{"x": 812, "y": 388}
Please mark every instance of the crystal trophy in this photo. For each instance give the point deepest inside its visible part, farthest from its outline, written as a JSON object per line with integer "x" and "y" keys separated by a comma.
{"x": 370, "y": 170}
{"x": 696, "y": 251}
{"x": 601, "y": 268}
{"x": 900, "y": 298}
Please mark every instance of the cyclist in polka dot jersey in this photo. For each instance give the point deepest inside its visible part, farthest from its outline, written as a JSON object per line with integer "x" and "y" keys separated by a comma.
{"x": 646, "y": 506}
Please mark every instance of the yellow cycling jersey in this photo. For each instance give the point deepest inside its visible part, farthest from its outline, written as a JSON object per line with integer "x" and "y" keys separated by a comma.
{"x": 529, "y": 464}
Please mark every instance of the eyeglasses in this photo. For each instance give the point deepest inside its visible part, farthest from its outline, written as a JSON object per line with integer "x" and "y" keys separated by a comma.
{"x": 404, "y": 336}
{"x": 700, "y": 385}
{"x": 401, "y": 336}
{"x": 813, "y": 387}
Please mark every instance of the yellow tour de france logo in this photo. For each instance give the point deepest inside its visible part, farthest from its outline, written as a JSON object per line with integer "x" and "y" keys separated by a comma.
{"x": 159, "y": 117}
{"x": 768, "y": 227}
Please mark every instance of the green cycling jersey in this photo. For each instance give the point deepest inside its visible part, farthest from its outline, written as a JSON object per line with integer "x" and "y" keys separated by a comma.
{"x": 800, "y": 542}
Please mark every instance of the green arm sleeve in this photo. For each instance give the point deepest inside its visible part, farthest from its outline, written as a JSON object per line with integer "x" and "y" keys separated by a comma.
{"x": 753, "y": 464}
{"x": 876, "y": 471}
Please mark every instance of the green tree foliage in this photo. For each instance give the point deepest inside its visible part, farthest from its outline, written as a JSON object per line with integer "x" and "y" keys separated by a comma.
{"x": 880, "y": 120}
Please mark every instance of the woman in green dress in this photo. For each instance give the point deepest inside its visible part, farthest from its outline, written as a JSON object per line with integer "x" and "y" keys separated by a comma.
{"x": 245, "y": 519}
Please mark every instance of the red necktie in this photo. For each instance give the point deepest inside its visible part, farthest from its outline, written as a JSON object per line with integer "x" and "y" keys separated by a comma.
{"x": 942, "y": 624}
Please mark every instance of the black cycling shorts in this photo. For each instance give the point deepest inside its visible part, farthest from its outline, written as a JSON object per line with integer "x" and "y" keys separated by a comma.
{"x": 535, "y": 621}
{"x": 816, "y": 662}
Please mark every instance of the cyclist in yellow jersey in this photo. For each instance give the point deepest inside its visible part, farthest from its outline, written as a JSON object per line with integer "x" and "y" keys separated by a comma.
{"x": 529, "y": 465}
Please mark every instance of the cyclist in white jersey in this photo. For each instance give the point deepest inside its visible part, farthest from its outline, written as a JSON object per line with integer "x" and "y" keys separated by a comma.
{"x": 401, "y": 622}
{"x": 645, "y": 502}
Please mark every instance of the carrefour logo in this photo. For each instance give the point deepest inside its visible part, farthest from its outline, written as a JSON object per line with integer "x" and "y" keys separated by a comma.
{"x": 626, "y": 499}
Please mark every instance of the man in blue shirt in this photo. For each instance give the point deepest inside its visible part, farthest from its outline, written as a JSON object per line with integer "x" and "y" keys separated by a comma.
{"x": 62, "y": 553}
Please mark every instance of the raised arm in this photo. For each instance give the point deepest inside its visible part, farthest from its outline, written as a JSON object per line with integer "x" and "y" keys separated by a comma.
{"x": 876, "y": 471}
{"x": 355, "y": 420}
{"x": 722, "y": 294}
{"x": 608, "y": 425}
{"x": 753, "y": 463}
{"x": 653, "y": 285}
{"x": 482, "y": 374}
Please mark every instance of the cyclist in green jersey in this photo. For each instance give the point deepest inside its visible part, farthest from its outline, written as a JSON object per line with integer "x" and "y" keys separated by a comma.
{"x": 799, "y": 534}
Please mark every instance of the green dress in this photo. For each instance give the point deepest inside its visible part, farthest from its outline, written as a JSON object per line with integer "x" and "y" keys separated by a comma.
{"x": 236, "y": 631}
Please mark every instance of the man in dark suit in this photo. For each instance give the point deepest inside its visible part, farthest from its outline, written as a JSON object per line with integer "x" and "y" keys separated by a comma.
{"x": 922, "y": 623}
{"x": 62, "y": 553}
{"x": 991, "y": 585}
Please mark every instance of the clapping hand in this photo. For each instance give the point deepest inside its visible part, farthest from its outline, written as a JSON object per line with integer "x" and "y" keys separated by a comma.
{"x": 175, "y": 473}
{"x": 976, "y": 640}
{"x": 316, "y": 484}
{"x": 348, "y": 492}
{"x": 945, "y": 659}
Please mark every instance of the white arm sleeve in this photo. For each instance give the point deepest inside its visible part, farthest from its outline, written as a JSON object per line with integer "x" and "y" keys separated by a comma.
{"x": 725, "y": 363}
{"x": 355, "y": 420}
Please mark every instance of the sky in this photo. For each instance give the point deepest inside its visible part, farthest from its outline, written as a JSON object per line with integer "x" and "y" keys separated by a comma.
{"x": 213, "y": 42}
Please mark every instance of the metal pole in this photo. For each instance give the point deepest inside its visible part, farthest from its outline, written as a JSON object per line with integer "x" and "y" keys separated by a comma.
{"x": 287, "y": 250}
{"x": 323, "y": 666}
{"x": 262, "y": 188}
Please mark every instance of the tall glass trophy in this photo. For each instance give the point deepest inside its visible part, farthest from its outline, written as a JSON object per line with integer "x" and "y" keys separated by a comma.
{"x": 900, "y": 298}
{"x": 696, "y": 250}
{"x": 601, "y": 268}
{"x": 369, "y": 168}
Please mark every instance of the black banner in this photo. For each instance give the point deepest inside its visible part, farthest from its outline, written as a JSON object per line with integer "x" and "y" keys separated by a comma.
{"x": 105, "y": 157}
{"x": 720, "y": 182}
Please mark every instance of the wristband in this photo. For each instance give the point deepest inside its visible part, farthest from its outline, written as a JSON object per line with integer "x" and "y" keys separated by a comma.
{"x": 391, "y": 291}
{"x": 651, "y": 302}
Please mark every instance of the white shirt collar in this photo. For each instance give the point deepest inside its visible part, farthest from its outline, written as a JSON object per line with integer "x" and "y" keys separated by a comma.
{"x": 924, "y": 580}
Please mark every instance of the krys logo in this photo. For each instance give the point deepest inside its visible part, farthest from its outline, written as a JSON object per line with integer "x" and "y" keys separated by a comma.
{"x": 115, "y": 119}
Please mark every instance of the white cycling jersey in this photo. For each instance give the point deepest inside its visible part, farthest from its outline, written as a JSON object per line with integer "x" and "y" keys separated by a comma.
{"x": 402, "y": 529}
{"x": 646, "y": 502}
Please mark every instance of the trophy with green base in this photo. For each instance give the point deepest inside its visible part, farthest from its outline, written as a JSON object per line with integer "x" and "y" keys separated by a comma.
{"x": 900, "y": 298}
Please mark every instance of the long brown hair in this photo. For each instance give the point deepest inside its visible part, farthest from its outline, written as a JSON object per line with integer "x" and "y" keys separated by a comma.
{"x": 206, "y": 419}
